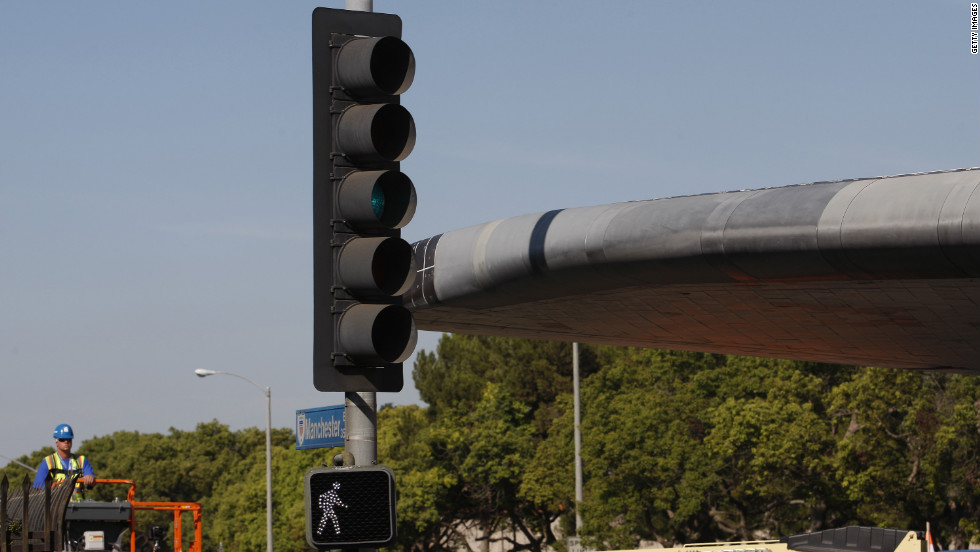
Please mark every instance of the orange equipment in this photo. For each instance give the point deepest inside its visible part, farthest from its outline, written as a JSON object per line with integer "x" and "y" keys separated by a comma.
{"x": 178, "y": 508}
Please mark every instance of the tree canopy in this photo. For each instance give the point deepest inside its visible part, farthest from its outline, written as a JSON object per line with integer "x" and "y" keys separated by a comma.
{"x": 682, "y": 447}
{"x": 677, "y": 446}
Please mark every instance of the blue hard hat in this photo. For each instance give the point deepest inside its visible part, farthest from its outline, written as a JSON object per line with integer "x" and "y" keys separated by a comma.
{"x": 63, "y": 431}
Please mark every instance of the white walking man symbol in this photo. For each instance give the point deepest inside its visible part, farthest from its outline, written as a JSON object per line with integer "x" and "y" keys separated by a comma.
{"x": 328, "y": 501}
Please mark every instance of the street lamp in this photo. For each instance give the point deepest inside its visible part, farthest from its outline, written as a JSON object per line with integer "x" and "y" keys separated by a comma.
{"x": 203, "y": 373}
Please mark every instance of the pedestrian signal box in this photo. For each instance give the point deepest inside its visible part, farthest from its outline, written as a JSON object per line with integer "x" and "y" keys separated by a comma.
{"x": 349, "y": 507}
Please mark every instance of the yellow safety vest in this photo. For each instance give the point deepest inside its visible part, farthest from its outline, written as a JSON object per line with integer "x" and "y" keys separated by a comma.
{"x": 59, "y": 474}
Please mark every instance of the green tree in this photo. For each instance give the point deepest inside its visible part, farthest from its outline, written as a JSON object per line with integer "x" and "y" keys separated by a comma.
{"x": 533, "y": 372}
{"x": 238, "y": 500}
{"x": 682, "y": 447}
{"x": 643, "y": 424}
{"x": 908, "y": 450}
{"x": 489, "y": 450}
{"x": 491, "y": 403}
{"x": 426, "y": 519}
{"x": 548, "y": 484}
{"x": 678, "y": 447}
{"x": 768, "y": 427}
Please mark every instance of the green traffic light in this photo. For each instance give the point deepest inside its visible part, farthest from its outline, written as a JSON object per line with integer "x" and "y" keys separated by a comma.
{"x": 371, "y": 201}
{"x": 378, "y": 201}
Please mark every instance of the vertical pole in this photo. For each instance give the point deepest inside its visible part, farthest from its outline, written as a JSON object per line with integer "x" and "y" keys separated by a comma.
{"x": 578, "y": 440}
{"x": 198, "y": 542}
{"x": 361, "y": 441}
{"x": 25, "y": 531}
{"x": 268, "y": 469}
{"x": 362, "y": 427}
{"x": 178, "y": 533}
{"x": 359, "y": 5}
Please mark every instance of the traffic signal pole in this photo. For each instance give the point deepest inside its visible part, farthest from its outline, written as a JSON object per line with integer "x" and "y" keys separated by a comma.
{"x": 360, "y": 5}
{"x": 361, "y": 411}
{"x": 578, "y": 440}
{"x": 362, "y": 267}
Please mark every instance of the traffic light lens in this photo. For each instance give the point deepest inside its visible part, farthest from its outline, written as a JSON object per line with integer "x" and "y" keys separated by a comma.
{"x": 369, "y": 67}
{"x": 376, "y": 133}
{"x": 378, "y": 334}
{"x": 392, "y": 65}
{"x": 393, "y": 132}
{"x": 393, "y": 199}
{"x": 377, "y": 266}
{"x": 394, "y": 333}
{"x": 378, "y": 202}
{"x": 393, "y": 261}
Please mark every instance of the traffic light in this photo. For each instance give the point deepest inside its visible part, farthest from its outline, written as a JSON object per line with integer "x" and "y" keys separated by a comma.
{"x": 361, "y": 266}
{"x": 351, "y": 507}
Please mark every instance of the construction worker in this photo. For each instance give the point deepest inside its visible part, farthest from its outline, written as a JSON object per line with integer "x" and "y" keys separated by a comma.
{"x": 63, "y": 462}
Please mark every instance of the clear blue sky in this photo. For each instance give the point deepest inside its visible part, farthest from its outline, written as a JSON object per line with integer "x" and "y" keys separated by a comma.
{"x": 156, "y": 166}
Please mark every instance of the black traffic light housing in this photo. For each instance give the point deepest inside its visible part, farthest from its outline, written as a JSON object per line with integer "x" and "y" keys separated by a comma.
{"x": 361, "y": 331}
{"x": 349, "y": 507}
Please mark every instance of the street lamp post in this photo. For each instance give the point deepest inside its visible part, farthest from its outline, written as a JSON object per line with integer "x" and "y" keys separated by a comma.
{"x": 201, "y": 373}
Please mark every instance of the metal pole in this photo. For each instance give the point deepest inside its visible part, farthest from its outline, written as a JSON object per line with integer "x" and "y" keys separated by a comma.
{"x": 268, "y": 469}
{"x": 361, "y": 441}
{"x": 362, "y": 427}
{"x": 202, "y": 373}
{"x": 359, "y": 5}
{"x": 578, "y": 440}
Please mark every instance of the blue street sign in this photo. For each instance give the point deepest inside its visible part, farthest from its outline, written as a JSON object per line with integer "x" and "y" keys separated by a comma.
{"x": 322, "y": 427}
